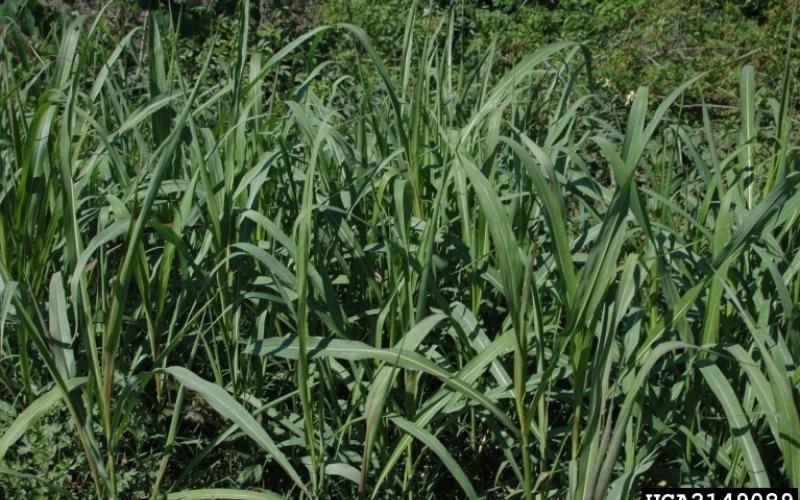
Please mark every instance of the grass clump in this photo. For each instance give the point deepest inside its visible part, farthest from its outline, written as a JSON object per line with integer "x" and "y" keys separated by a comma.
{"x": 415, "y": 278}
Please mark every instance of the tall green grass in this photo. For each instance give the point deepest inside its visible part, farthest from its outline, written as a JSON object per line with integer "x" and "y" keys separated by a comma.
{"x": 397, "y": 279}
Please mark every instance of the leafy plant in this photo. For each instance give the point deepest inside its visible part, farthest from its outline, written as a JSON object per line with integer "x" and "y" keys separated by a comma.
{"x": 396, "y": 280}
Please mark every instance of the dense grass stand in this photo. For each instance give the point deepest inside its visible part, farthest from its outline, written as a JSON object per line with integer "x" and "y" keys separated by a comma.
{"x": 423, "y": 279}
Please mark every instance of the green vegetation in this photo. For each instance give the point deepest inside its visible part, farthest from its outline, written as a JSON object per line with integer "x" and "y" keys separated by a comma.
{"x": 430, "y": 267}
